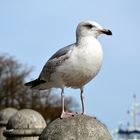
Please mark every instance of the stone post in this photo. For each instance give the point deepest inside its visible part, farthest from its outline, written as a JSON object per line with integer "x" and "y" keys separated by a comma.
{"x": 79, "y": 127}
{"x": 26, "y": 124}
{"x": 5, "y": 114}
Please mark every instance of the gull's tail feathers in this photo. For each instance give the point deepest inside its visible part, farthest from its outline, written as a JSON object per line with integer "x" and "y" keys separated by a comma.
{"x": 35, "y": 83}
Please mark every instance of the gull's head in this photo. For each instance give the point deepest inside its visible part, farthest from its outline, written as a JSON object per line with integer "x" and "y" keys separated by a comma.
{"x": 91, "y": 28}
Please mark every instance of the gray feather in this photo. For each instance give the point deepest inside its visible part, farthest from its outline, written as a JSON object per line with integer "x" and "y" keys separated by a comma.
{"x": 62, "y": 51}
{"x": 57, "y": 59}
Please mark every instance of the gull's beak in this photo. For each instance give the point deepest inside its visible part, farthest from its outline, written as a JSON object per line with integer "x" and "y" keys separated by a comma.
{"x": 105, "y": 31}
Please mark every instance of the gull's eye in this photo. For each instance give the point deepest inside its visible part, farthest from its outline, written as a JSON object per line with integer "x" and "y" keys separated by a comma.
{"x": 89, "y": 26}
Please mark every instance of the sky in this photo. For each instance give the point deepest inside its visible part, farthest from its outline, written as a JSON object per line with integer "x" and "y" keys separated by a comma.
{"x": 32, "y": 30}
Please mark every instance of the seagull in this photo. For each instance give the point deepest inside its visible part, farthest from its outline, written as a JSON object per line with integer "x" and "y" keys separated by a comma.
{"x": 74, "y": 65}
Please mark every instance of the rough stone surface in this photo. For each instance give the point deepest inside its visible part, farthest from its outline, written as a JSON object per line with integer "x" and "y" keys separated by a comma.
{"x": 79, "y": 127}
{"x": 26, "y": 118}
{"x": 5, "y": 114}
{"x": 26, "y": 124}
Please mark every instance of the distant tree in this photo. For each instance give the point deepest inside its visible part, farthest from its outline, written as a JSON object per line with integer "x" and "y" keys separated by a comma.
{"x": 13, "y": 93}
{"x": 12, "y": 76}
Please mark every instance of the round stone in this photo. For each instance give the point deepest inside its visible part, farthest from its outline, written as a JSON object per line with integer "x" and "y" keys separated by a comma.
{"x": 25, "y": 123}
{"x": 26, "y": 119}
{"x": 79, "y": 127}
{"x": 5, "y": 115}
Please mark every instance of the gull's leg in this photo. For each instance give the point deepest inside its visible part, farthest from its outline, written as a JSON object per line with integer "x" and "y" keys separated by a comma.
{"x": 63, "y": 113}
{"x": 82, "y": 99}
{"x": 62, "y": 103}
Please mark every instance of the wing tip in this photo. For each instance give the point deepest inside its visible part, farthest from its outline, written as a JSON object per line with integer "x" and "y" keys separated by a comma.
{"x": 34, "y": 83}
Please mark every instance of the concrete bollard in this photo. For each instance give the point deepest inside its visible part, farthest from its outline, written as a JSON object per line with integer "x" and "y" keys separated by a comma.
{"x": 26, "y": 124}
{"x": 5, "y": 115}
{"x": 79, "y": 127}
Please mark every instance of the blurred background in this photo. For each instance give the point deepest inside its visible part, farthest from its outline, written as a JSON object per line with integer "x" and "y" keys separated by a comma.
{"x": 31, "y": 31}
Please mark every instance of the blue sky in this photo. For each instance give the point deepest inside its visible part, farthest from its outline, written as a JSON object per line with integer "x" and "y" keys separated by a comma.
{"x": 32, "y": 30}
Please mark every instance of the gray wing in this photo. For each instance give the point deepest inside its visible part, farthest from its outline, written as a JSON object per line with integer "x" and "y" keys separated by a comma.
{"x": 57, "y": 59}
{"x": 62, "y": 51}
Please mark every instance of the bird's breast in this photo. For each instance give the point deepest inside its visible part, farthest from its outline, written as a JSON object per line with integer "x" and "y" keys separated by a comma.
{"x": 82, "y": 66}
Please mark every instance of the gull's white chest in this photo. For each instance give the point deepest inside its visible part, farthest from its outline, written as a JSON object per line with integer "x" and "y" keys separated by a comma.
{"x": 82, "y": 66}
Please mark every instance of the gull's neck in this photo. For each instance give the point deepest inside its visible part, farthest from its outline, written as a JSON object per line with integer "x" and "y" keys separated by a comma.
{"x": 83, "y": 41}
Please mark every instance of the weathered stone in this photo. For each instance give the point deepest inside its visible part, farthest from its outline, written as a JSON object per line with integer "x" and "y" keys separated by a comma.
{"x": 5, "y": 115}
{"x": 79, "y": 127}
{"x": 26, "y": 124}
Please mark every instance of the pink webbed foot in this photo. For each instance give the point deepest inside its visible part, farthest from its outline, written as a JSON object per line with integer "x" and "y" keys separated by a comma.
{"x": 67, "y": 114}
